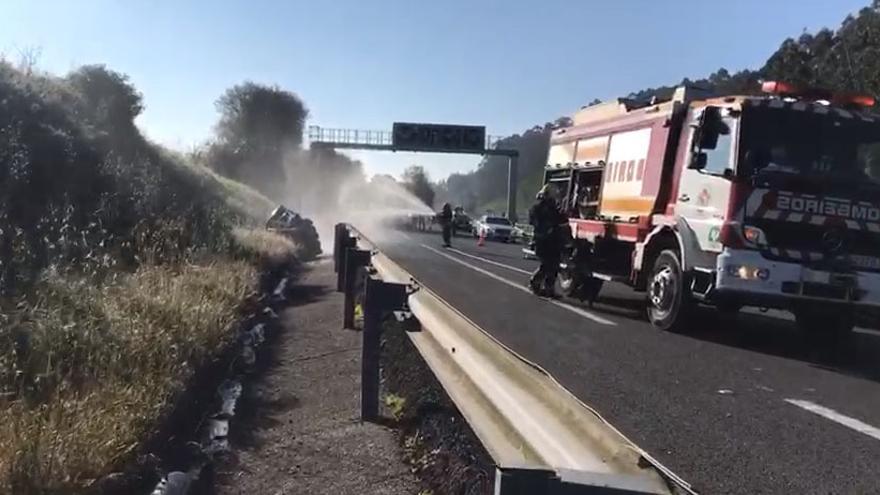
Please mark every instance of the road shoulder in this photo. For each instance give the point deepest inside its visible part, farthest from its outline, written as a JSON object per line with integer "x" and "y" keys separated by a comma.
{"x": 300, "y": 430}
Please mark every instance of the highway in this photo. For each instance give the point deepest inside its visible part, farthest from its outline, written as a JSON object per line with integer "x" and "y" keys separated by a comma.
{"x": 743, "y": 404}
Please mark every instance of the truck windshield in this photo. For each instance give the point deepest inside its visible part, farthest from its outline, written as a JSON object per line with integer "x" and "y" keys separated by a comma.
{"x": 823, "y": 146}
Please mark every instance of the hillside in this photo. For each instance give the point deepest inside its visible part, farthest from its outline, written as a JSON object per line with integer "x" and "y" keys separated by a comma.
{"x": 122, "y": 269}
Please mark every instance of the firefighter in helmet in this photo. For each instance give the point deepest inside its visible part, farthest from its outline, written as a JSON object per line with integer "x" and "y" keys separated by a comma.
{"x": 546, "y": 219}
{"x": 445, "y": 220}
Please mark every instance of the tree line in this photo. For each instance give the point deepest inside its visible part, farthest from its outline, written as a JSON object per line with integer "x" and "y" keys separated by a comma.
{"x": 846, "y": 59}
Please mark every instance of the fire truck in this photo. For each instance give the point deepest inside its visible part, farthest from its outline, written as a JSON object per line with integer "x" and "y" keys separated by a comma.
{"x": 769, "y": 200}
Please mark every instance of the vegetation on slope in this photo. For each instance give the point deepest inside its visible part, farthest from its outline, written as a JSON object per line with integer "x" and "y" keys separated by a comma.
{"x": 122, "y": 268}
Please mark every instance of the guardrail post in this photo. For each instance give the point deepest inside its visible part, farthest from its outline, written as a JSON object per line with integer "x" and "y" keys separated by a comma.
{"x": 340, "y": 231}
{"x": 347, "y": 243}
{"x": 354, "y": 260}
{"x": 380, "y": 298}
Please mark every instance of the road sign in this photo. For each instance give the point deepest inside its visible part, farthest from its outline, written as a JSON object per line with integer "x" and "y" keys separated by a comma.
{"x": 438, "y": 137}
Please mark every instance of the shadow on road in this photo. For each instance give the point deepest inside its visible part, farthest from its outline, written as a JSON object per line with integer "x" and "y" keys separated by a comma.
{"x": 856, "y": 354}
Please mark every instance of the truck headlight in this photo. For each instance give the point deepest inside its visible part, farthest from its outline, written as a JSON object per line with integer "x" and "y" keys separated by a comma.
{"x": 754, "y": 236}
{"x": 746, "y": 272}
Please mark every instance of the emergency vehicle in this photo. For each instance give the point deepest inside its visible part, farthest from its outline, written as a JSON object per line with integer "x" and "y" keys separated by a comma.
{"x": 769, "y": 200}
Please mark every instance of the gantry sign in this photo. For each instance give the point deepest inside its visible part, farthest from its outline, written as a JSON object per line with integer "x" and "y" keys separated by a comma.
{"x": 431, "y": 138}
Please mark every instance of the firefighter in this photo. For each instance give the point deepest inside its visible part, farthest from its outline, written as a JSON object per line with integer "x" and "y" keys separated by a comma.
{"x": 445, "y": 220}
{"x": 546, "y": 219}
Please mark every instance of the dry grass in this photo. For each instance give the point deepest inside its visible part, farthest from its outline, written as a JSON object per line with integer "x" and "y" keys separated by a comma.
{"x": 103, "y": 314}
{"x": 242, "y": 198}
{"x": 262, "y": 244}
{"x": 85, "y": 372}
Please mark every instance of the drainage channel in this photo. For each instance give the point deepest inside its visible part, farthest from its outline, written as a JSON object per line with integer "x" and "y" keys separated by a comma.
{"x": 194, "y": 473}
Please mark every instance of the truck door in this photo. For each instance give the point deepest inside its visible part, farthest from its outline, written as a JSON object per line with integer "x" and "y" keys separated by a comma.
{"x": 704, "y": 191}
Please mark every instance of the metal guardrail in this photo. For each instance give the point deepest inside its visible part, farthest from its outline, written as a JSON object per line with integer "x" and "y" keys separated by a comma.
{"x": 541, "y": 437}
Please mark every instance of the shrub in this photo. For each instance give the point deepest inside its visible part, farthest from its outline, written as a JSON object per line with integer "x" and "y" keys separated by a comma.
{"x": 81, "y": 187}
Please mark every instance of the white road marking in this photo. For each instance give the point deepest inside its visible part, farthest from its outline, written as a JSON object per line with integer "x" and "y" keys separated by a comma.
{"x": 868, "y": 331}
{"x": 484, "y": 260}
{"x": 573, "y": 309}
{"x": 837, "y": 417}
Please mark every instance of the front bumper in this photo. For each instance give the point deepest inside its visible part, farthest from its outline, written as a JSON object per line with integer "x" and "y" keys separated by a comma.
{"x": 782, "y": 285}
{"x": 498, "y": 235}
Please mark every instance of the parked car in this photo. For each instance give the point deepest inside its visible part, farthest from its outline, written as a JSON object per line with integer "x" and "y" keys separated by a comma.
{"x": 493, "y": 228}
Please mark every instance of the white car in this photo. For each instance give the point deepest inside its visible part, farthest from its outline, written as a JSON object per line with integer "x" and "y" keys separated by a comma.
{"x": 493, "y": 228}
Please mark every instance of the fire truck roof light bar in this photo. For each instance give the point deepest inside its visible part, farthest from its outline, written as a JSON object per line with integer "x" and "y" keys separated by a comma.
{"x": 785, "y": 89}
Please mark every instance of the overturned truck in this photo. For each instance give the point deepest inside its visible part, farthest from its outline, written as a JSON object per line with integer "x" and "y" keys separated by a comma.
{"x": 298, "y": 229}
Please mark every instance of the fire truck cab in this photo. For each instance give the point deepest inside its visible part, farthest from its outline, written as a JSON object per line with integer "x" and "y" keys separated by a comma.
{"x": 769, "y": 201}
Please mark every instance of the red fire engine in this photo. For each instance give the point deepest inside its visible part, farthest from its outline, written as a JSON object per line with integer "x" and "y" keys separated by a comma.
{"x": 731, "y": 201}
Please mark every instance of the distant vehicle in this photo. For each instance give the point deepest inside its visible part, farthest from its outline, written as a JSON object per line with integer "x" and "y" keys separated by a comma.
{"x": 461, "y": 222}
{"x": 493, "y": 228}
{"x": 769, "y": 201}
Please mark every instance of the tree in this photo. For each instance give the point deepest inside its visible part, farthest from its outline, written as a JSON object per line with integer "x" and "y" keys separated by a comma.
{"x": 257, "y": 116}
{"x": 258, "y": 126}
{"x": 416, "y": 181}
{"x": 106, "y": 100}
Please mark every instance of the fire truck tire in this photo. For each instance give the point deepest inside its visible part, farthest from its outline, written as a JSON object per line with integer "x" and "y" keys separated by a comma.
{"x": 670, "y": 304}
{"x": 821, "y": 320}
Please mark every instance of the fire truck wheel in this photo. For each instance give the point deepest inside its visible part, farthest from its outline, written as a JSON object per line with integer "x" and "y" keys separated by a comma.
{"x": 821, "y": 320}
{"x": 669, "y": 298}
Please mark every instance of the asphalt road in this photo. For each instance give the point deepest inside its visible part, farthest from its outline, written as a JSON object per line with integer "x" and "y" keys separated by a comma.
{"x": 743, "y": 404}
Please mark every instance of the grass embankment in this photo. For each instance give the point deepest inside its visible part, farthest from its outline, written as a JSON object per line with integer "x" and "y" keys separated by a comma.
{"x": 122, "y": 272}
{"x": 94, "y": 368}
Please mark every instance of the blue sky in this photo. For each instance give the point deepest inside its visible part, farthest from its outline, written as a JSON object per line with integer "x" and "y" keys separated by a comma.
{"x": 364, "y": 64}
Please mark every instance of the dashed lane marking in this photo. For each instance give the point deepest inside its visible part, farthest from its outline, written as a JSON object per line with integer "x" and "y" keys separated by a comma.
{"x": 835, "y": 416}
{"x": 578, "y": 311}
{"x": 868, "y": 331}
{"x": 484, "y": 260}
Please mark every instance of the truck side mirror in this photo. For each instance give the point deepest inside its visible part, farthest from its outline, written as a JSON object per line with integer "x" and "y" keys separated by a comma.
{"x": 708, "y": 139}
{"x": 698, "y": 160}
{"x": 711, "y": 126}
